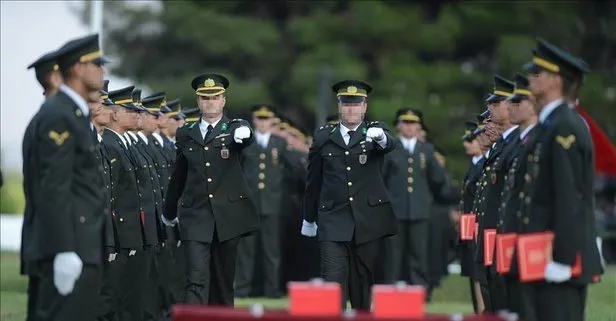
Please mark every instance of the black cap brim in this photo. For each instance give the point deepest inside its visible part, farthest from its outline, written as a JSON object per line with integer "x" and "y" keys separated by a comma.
{"x": 133, "y": 107}
{"x": 102, "y": 60}
{"x": 532, "y": 67}
{"x": 107, "y": 102}
{"x": 346, "y": 99}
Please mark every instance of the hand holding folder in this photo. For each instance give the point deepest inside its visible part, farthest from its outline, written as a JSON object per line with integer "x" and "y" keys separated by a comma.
{"x": 534, "y": 254}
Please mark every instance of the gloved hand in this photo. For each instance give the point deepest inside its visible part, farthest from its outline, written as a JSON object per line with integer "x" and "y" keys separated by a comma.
{"x": 375, "y": 133}
{"x": 241, "y": 133}
{"x": 168, "y": 222}
{"x": 309, "y": 229}
{"x": 557, "y": 272}
{"x": 67, "y": 267}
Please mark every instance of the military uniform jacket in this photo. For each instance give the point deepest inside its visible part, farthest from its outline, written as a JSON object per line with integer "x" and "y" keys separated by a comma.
{"x": 124, "y": 192}
{"x": 111, "y": 233}
{"x": 150, "y": 196}
{"x": 469, "y": 187}
{"x": 345, "y": 191}
{"x": 412, "y": 180}
{"x": 63, "y": 185}
{"x": 208, "y": 179}
{"x": 162, "y": 163}
{"x": 169, "y": 150}
{"x": 264, "y": 171}
{"x": 492, "y": 181}
{"x": 558, "y": 196}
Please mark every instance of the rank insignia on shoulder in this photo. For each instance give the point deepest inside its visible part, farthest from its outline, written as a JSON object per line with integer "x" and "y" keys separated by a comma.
{"x": 565, "y": 142}
{"x": 58, "y": 138}
{"x": 191, "y": 125}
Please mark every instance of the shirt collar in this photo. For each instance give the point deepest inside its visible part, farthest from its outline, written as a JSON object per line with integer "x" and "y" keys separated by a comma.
{"x": 158, "y": 138}
{"x": 260, "y": 135}
{"x": 345, "y": 130}
{"x": 100, "y": 138}
{"x": 509, "y": 131}
{"x": 203, "y": 124}
{"x": 122, "y": 138}
{"x": 526, "y": 131}
{"x": 548, "y": 109}
{"x": 75, "y": 97}
{"x": 143, "y": 137}
{"x": 476, "y": 159}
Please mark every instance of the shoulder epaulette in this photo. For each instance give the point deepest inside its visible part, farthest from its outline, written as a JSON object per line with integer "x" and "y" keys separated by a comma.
{"x": 236, "y": 120}
{"x": 192, "y": 125}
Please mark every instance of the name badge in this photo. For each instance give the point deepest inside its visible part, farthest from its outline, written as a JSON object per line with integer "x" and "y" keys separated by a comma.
{"x": 224, "y": 153}
{"x": 363, "y": 158}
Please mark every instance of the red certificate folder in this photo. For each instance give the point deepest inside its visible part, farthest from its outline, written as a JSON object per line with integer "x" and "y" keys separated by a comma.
{"x": 505, "y": 244}
{"x": 467, "y": 227}
{"x": 315, "y": 299}
{"x": 398, "y": 301}
{"x": 476, "y": 230}
{"x": 489, "y": 238}
{"x": 534, "y": 253}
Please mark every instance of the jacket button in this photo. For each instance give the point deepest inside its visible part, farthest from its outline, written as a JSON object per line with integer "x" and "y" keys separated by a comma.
{"x": 261, "y": 175}
{"x": 410, "y": 189}
{"x": 211, "y": 196}
{"x": 262, "y": 156}
{"x": 121, "y": 219}
{"x": 350, "y": 199}
{"x": 209, "y": 180}
{"x": 206, "y": 148}
{"x": 82, "y": 219}
{"x": 350, "y": 183}
{"x": 207, "y": 164}
{"x": 346, "y": 152}
{"x": 348, "y": 168}
{"x": 261, "y": 185}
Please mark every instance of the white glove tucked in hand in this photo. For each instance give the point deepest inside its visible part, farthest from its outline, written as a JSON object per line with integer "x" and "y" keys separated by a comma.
{"x": 241, "y": 133}
{"x": 67, "y": 267}
{"x": 375, "y": 133}
{"x": 168, "y": 222}
{"x": 309, "y": 229}
{"x": 557, "y": 272}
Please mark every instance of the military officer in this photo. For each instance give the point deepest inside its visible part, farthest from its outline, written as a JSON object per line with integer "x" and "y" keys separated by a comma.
{"x": 492, "y": 181}
{"x": 346, "y": 196}
{"x": 208, "y": 185}
{"x": 332, "y": 120}
{"x": 469, "y": 189}
{"x": 63, "y": 185}
{"x": 558, "y": 191}
{"x": 264, "y": 164}
{"x": 126, "y": 207}
{"x": 413, "y": 177}
{"x": 522, "y": 114}
{"x": 48, "y": 75}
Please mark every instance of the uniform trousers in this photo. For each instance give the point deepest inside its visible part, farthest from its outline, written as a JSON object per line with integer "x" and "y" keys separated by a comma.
{"x": 80, "y": 304}
{"x": 408, "y": 253}
{"x": 351, "y": 265}
{"x": 109, "y": 306}
{"x": 33, "y": 284}
{"x": 496, "y": 287}
{"x": 210, "y": 271}
{"x": 132, "y": 265}
{"x": 543, "y": 301}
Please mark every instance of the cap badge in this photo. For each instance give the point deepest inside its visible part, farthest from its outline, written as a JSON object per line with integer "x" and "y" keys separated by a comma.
{"x": 351, "y": 89}
{"x": 209, "y": 83}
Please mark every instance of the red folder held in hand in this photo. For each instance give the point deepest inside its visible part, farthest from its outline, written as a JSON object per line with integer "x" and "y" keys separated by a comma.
{"x": 535, "y": 252}
{"x": 467, "y": 227}
{"x": 315, "y": 299}
{"x": 489, "y": 238}
{"x": 505, "y": 245}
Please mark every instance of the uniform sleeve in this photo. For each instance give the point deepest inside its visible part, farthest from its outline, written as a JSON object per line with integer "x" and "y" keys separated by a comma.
{"x": 56, "y": 156}
{"x": 566, "y": 152}
{"x": 313, "y": 183}
{"x": 176, "y": 182}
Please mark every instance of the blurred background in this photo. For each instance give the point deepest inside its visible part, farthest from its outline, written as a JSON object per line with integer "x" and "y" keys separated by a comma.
{"x": 438, "y": 56}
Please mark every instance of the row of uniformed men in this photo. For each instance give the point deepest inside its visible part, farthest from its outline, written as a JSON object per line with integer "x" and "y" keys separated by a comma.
{"x": 531, "y": 171}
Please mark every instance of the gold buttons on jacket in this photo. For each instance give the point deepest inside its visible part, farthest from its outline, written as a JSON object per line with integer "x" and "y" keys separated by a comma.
{"x": 410, "y": 189}
{"x": 261, "y": 176}
{"x": 211, "y": 196}
{"x": 262, "y": 156}
{"x": 261, "y": 185}
{"x": 262, "y": 166}
{"x": 207, "y": 164}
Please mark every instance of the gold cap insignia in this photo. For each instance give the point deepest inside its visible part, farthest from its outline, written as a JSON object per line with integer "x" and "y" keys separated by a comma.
{"x": 352, "y": 89}
{"x": 209, "y": 83}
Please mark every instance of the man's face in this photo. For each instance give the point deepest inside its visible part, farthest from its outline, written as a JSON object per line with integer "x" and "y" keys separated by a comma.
{"x": 125, "y": 118}
{"x": 542, "y": 82}
{"x": 173, "y": 125}
{"x": 499, "y": 111}
{"x": 101, "y": 114}
{"x": 352, "y": 113}
{"x": 472, "y": 148}
{"x": 163, "y": 121}
{"x": 263, "y": 124}
{"x": 211, "y": 106}
{"x": 91, "y": 74}
{"x": 408, "y": 129}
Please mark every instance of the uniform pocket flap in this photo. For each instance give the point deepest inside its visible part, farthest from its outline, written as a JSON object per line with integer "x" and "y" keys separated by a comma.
{"x": 374, "y": 200}
{"x": 326, "y": 205}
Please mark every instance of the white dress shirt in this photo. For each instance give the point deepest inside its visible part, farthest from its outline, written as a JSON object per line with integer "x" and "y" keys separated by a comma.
{"x": 81, "y": 103}
{"x": 409, "y": 143}
{"x": 548, "y": 109}
{"x": 158, "y": 138}
{"x": 122, "y": 138}
{"x": 345, "y": 133}
{"x": 263, "y": 138}
{"x": 476, "y": 159}
{"x": 526, "y": 131}
{"x": 143, "y": 137}
{"x": 203, "y": 126}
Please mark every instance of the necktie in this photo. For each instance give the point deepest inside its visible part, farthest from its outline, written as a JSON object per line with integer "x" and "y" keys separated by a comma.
{"x": 350, "y": 133}
{"x": 208, "y": 133}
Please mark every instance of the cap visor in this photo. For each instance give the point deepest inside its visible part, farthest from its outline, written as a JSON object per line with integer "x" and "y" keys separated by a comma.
{"x": 133, "y": 107}
{"x": 107, "y": 102}
{"x": 344, "y": 99}
{"x": 531, "y": 67}
{"x": 517, "y": 98}
{"x": 101, "y": 60}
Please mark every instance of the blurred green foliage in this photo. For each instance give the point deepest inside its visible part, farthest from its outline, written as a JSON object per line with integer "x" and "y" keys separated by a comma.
{"x": 438, "y": 56}
{"x": 12, "y": 199}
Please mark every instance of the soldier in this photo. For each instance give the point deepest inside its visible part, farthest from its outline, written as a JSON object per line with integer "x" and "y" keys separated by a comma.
{"x": 558, "y": 192}
{"x": 48, "y": 75}
{"x": 412, "y": 176}
{"x": 332, "y": 120}
{"x": 215, "y": 208}
{"x": 469, "y": 188}
{"x": 521, "y": 114}
{"x": 63, "y": 185}
{"x": 125, "y": 203}
{"x": 346, "y": 195}
{"x": 264, "y": 164}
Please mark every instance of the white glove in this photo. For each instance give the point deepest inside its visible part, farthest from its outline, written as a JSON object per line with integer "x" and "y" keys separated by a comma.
{"x": 375, "y": 133}
{"x": 309, "y": 229}
{"x": 557, "y": 272}
{"x": 67, "y": 267}
{"x": 168, "y": 222}
{"x": 241, "y": 133}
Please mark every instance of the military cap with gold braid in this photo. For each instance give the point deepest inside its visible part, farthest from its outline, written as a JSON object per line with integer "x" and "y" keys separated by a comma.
{"x": 45, "y": 64}
{"x": 210, "y": 84}
{"x": 351, "y": 91}
{"x": 521, "y": 91}
{"x": 503, "y": 89}
{"x": 82, "y": 50}
{"x": 105, "y": 94}
{"x": 192, "y": 115}
{"x": 548, "y": 57}
{"x": 175, "y": 109}
{"x": 263, "y": 111}
{"x": 483, "y": 116}
{"x": 468, "y": 133}
{"x": 136, "y": 96}
{"x": 124, "y": 98}
{"x": 332, "y": 119}
{"x": 406, "y": 115}
{"x": 152, "y": 104}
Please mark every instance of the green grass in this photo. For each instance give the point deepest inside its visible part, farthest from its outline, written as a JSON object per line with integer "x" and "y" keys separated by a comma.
{"x": 451, "y": 297}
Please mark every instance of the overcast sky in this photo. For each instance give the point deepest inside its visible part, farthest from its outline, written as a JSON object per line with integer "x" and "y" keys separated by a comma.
{"x": 29, "y": 29}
